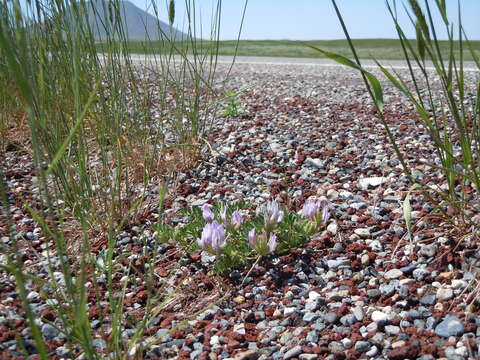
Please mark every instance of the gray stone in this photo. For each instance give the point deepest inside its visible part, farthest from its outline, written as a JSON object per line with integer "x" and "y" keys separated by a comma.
{"x": 358, "y": 313}
{"x": 420, "y": 274}
{"x": 373, "y": 293}
{"x": 428, "y": 300}
{"x": 348, "y": 319}
{"x": 363, "y": 233}
{"x": 444, "y": 294}
{"x": 335, "y": 346}
{"x": 49, "y": 332}
{"x": 330, "y": 317}
{"x": 99, "y": 344}
{"x": 450, "y": 326}
{"x": 393, "y": 274}
{"x": 387, "y": 289}
{"x": 371, "y": 182}
{"x": 312, "y": 337}
{"x": 293, "y": 352}
{"x": 308, "y": 356}
{"x": 372, "y": 352}
{"x": 362, "y": 346}
{"x": 310, "y": 316}
{"x": 379, "y": 317}
{"x": 392, "y": 330}
{"x": 428, "y": 250}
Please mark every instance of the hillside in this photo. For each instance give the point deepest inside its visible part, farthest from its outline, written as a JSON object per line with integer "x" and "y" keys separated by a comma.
{"x": 137, "y": 23}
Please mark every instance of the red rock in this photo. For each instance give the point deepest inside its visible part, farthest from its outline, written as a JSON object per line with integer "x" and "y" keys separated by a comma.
{"x": 404, "y": 352}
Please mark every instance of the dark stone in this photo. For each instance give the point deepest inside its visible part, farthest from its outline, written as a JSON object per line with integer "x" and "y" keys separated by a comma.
{"x": 404, "y": 352}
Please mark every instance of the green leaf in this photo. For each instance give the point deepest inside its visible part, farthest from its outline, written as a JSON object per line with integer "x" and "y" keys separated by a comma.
{"x": 171, "y": 11}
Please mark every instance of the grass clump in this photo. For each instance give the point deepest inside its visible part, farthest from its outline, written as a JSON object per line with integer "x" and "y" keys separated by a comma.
{"x": 448, "y": 109}
{"x": 104, "y": 135}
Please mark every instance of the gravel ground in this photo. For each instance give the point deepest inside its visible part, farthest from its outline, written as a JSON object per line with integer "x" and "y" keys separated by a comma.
{"x": 357, "y": 290}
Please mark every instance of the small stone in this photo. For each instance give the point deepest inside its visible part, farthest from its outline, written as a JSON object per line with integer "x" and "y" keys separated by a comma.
{"x": 99, "y": 344}
{"x": 371, "y": 182}
{"x": 251, "y": 354}
{"x": 308, "y": 356}
{"x": 338, "y": 247}
{"x": 333, "y": 228}
{"x": 358, "y": 313}
{"x": 428, "y": 250}
{"x": 348, "y": 319}
{"x": 363, "y": 233}
{"x": 450, "y": 326}
{"x": 365, "y": 259}
{"x": 444, "y": 294}
{"x": 428, "y": 300}
{"x": 293, "y": 352}
{"x": 49, "y": 332}
{"x": 373, "y": 293}
{"x": 387, "y": 289}
{"x": 458, "y": 284}
{"x": 372, "y": 352}
{"x": 392, "y": 330}
{"x": 215, "y": 340}
{"x": 347, "y": 343}
{"x": 379, "y": 317}
{"x": 398, "y": 344}
{"x": 420, "y": 274}
{"x": 393, "y": 274}
{"x": 313, "y": 295}
{"x": 330, "y": 317}
{"x": 309, "y": 316}
{"x": 312, "y": 337}
{"x": 239, "y": 299}
{"x": 362, "y": 346}
{"x": 288, "y": 311}
{"x": 404, "y": 352}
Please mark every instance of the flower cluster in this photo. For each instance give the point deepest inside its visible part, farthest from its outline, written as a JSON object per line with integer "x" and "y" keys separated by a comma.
{"x": 262, "y": 244}
{"x": 263, "y": 240}
{"x": 317, "y": 214}
{"x": 213, "y": 238}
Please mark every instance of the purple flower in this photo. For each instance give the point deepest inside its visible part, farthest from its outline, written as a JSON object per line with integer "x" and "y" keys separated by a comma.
{"x": 325, "y": 212}
{"x": 237, "y": 219}
{"x": 207, "y": 213}
{"x": 213, "y": 238}
{"x": 223, "y": 213}
{"x": 272, "y": 214}
{"x": 272, "y": 242}
{"x": 261, "y": 244}
{"x": 252, "y": 238}
{"x": 310, "y": 208}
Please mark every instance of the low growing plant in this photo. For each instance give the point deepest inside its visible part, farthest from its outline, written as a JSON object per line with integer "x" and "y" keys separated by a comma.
{"x": 232, "y": 105}
{"x": 234, "y": 234}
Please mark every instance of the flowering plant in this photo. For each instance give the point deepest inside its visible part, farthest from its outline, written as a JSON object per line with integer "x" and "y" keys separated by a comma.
{"x": 317, "y": 214}
{"x": 236, "y": 235}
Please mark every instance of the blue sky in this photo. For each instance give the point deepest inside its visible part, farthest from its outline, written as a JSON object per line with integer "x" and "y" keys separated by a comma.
{"x": 312, "y": 19}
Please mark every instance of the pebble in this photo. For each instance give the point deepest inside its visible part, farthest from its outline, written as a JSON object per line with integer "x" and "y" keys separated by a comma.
{"x": 450, "y": 326}
{"x": 444, "y": 294}
{"x": 49, "y": 332}
{"x": 379, "y": 317}
{"x": 363, "y": 233}
{"x": 293, "y": 352}
{"x": 371, "y": 182}
{"x": 393, "y": 274}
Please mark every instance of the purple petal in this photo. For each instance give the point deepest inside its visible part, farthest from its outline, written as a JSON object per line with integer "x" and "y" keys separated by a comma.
{"x": 252, "y": 238}
{"x": 272, "y": 242}
{"x": 207, "y": 213}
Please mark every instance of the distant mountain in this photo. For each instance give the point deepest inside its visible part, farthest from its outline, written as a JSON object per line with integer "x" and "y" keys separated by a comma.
{"x": 137, "y": 24}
